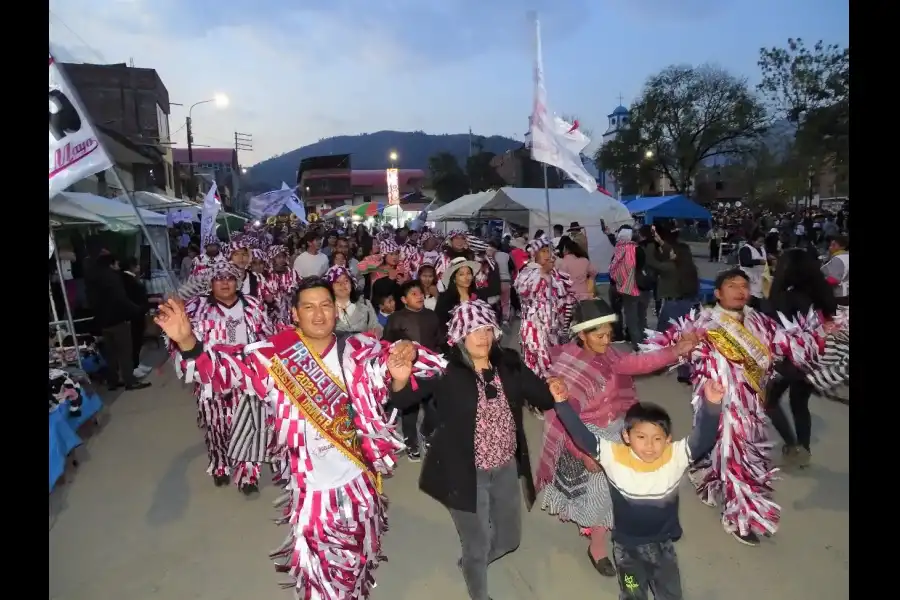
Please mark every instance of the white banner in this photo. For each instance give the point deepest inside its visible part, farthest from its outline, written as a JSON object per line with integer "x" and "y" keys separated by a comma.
{"x": 393, "y": 186}
{"x": 554, "y": 141}
{"x": 75, "y": 150}
{"x": 51, "y": 245}
{"x": 211, "y": 206}
{"x": 269, "y": 203}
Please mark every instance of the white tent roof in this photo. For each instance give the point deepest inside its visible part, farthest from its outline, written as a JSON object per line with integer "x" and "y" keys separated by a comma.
{"x": 76, "y": 204}
{"x": 528, "y": 207}
{"x": 464, "y": 207}
{"x": 153, "y": 201}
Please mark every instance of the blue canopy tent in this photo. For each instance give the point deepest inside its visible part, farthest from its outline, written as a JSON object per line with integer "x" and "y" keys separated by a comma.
{"x": 667, "y": 207}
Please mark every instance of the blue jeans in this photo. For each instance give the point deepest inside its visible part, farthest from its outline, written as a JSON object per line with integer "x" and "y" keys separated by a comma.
{"x": 673, "y": 310}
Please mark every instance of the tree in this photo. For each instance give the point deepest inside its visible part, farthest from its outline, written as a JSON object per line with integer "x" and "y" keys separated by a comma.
{"x": 811, "y": 89}
{"x": 481, "y": 174}
{"x": 684, "y": 116}
{"x": 448, "y": 179}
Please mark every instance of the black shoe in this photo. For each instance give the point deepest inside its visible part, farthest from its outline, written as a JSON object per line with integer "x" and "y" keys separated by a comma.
{"x": 603, "y": 566}
{"x": 684, "y": 380}
{"x": 221, "y": 480}
{"x": 751, "y": 539}
{"x": 413, "y": 455}
{"x": 249, "y": 488}
{"x": 113, "y": 386}
{"x": 137, "y": 386}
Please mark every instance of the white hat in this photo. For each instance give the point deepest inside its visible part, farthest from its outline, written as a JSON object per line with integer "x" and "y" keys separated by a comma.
{"x": 455, "y": 265}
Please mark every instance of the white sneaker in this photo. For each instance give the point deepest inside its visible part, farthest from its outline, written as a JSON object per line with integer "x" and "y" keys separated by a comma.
{"x": 142, "y": 371}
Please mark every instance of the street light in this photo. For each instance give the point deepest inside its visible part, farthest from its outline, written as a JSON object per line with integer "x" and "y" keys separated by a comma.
{"x": 393, "y": 157}
{"x": 221, "y": 101}
{"x": 648, "y": 154}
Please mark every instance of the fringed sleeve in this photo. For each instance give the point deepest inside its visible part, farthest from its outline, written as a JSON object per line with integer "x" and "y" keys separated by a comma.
{"x": 368, "y": 381}
{"x": 800, "y": 340}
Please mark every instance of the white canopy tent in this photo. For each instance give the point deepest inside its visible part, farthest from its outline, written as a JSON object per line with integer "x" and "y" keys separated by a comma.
{"x": 75, "y": 204}
{"x": 110, "y": 212}
{"x": 527, "y": 207}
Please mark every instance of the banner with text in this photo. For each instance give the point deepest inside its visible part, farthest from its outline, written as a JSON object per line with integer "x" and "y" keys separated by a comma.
{"x": 75, "y": 150}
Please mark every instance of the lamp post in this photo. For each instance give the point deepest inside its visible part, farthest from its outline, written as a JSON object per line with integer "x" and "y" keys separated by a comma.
{"x": 393, "y": 157}
{"x": 221, "y": 101}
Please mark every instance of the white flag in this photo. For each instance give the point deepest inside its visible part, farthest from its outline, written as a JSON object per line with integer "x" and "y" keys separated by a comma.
{"x": 294, "y": 204}
{"x": 208, "y": 216}
{"x": 269, "y": 203}
{"x": 75, "y": 150}
{"x": 554, "y": 141}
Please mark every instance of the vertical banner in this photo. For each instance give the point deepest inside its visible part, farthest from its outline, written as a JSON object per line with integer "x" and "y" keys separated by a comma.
{"x": 75, "y": 151}
{"x": 51, "y": 247}
{"x": 393, "y": 186}
{"x": 208, "y": 219}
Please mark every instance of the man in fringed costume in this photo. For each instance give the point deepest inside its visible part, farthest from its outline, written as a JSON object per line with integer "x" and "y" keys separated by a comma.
{"x": 601, "y": 390}
{"x": 280, "y": 285}
{"x": 324, "y": 394}
{"x": 225, "y": 321}
{"x": 238, "y": 253}
{"x": 546, "y": 297}
{"x": 429, "y": 250}
{"x": 211, "y": 256}
{"x": 738, "y": 348}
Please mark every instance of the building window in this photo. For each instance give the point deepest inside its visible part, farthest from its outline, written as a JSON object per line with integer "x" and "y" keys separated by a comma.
{"x": 162, "y": 123}
{"x": 612, "y": 122}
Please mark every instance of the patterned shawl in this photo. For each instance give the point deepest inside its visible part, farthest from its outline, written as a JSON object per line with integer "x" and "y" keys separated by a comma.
{"x": 589, "y": 377}
{"x": 622, "y": 267}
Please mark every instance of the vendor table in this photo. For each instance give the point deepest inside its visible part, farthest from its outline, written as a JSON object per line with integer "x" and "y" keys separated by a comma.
{"x": 64, "y": 431}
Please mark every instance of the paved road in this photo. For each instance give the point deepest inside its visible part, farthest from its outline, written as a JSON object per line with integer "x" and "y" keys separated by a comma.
{"x": 140, "y": 520}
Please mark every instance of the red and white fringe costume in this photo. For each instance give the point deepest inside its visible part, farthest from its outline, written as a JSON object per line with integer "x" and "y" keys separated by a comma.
{"x": 334, "y": 543}
{"x": 217, "y": 391}
{"x": 281, "y": 286}
{"x": 547, "y": 303}
{"x": 738, "y": 473}
{"x": 201, "y": 264}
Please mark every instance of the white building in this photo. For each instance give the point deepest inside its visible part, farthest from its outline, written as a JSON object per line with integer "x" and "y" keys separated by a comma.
{"x": 618, "y": 120}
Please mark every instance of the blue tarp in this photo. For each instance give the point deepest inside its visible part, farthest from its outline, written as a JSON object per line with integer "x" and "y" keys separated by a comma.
{"x": 64, "y": 432}
{"x": 667, "y": 207}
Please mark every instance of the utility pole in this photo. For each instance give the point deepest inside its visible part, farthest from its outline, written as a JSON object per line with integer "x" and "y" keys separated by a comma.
{"x": 190, "y": 144}
{"x": 243, "y": 141}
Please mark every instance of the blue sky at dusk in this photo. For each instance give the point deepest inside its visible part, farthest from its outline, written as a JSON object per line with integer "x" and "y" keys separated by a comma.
{"x": 299, "y": 71}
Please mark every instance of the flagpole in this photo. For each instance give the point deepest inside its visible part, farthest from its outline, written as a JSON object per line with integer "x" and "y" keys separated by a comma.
{"x": 547, "y": 200}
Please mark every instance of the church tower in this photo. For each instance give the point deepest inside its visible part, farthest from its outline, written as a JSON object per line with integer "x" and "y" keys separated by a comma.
{"x": 618, "y": 120}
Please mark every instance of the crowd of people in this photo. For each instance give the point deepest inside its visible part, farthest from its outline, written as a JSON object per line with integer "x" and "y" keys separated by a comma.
{"x": 302, "y": 343}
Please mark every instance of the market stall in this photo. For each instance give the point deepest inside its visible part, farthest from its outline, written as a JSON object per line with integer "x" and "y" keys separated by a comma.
{"x": 73, "y": 402}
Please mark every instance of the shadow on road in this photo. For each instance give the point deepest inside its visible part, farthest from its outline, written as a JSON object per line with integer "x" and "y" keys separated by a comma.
{"x": 172, "y": 495}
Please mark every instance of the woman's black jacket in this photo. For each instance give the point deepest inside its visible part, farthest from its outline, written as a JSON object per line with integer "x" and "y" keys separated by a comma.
{"x": 448, "y": 473}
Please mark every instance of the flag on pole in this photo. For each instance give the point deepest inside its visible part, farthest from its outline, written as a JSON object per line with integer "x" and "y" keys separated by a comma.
{"x": 75, "y": 150}
{"x": 294, "y": 204}
{"x": 269, "y": 203}
{"x": 208, "y": 216}
{"x": 554, "y": 141}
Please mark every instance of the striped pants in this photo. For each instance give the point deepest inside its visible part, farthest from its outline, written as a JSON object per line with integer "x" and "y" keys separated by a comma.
{"x": 216, "y": 415}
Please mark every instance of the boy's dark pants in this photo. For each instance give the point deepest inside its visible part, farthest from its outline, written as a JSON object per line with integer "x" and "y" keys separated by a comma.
{"x": 647, "y": 568}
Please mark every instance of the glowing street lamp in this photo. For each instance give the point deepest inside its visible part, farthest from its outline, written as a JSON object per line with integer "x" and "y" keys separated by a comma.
{"x": 648, "y": 154}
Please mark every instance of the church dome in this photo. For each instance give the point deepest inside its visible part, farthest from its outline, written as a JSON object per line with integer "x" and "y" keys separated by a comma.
{"x": 619, "y": 110}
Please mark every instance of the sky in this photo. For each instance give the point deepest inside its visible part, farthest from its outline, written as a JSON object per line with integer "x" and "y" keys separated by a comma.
{"x": 296, "y": 71}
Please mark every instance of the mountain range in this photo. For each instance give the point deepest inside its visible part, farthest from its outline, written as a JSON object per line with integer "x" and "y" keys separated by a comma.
{"x": 371, "y": 150}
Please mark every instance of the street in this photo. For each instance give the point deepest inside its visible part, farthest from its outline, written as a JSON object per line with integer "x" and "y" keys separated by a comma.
{"x": 139, "y": 519}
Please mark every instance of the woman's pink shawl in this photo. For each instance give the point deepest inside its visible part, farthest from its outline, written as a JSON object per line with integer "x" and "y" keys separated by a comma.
{"x": 601, "y": 389}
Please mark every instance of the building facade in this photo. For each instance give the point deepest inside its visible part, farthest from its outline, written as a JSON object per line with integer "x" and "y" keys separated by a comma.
{"x": 210, "y": 164}
{"x": 129, "y": 107}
